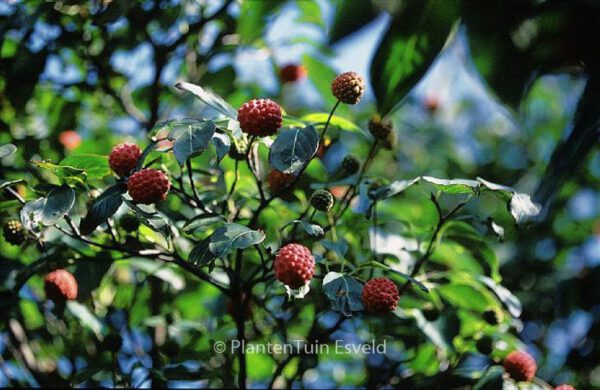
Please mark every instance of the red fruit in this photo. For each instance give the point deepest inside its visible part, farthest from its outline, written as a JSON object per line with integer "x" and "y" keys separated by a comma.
{"x": 380, "y": 295}
{"x": 564, "y": 387}
{"x": 292, "y": 72}
{"x": 124, "y": 158}
{"x": 279, "y": 181}
{"x": 148, "y": 186}
{"x": 60, "y": 285}
{"x": 348, "y": 87}
{"x": 260, "y": 117}
{"x": 294, "y": 265}
{"x": 69, "y": 139}
{"x": 520, "y": 366}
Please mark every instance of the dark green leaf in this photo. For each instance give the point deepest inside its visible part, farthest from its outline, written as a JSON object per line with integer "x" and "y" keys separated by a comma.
{"x": 344, "y": 293}
{"x": 201, "y": 254}
{"x": 350, "y": 16}
{"x": 233, "y": 236}
{"x": 293, "y": 148}
{"x": 89, "y": 273}
{"x": 104, "y": 207}
{"x": 190, "y": 136}
{"x": 491, "y": 380}
{"x": 58, "y": 203}
{"x": 311, "y": 229}
{"x": 415, "y": 37}
{"x": 222, "y": 144}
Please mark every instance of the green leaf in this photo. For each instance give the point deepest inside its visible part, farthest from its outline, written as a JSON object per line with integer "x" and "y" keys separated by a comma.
{"x": 321, "y": 76}
{"x": 7, "y": 150}
{"x": 104, "y": 207}
{"x": 454, "y": 186}
{"x": 464, "y": 296}
{"x": 520, "y": 205}
{"x": 251, "y": 22}
{"x": 349, "y": 17}
{"x": 491, "y": 380}
{"x": 522, "y": 208}
{"x": 66, "y": 174}
{"x": 440, "y": 332}
{"x": 321, "y": 118}
{"x": 210, "y": 99}
{"x": 58, "y": 203}
{"x": 89, "y": 273}
{"x": 94, "y": 165}
{"x": 415, "y": 37}
{"x": 393, "y": 188}
{"x": 310, "y": 12}
{"x": 310, "y": 229}
{"x": 31, "y": 214}
{"x": 190, "y": 136}
{"x": 468, "y": 237}
{"x": 151, "y": 219}
{"x": 344, "y": 293}
{"x": 85, "y": 316}
{"x": 222, "y": 143}
{"x": 202, "y": 220}
{"x": 201, "y": 254}
{"x": 509, "y": 300}
{"x": 233, "y": 236}
{"x": 293, "y": 148}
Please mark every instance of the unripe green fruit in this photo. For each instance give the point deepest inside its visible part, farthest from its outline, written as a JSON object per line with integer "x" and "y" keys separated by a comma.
{"x": 322, "y": 200}
{"x": 112, "y": 342}
{"x": 430, "y": 312}
{"x": 350, "y": 164}
{"x": 13, "y": 232}
{"x": 129, "y": 223}
{"x": 390, "y": 141}
{"x": 380, "y": 129}
{"x": 485, "y": 345}
{"x": 491, "y": 317}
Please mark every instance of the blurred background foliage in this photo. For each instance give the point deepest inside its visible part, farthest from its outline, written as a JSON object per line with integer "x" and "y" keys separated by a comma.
{"x": 510, "y": 94}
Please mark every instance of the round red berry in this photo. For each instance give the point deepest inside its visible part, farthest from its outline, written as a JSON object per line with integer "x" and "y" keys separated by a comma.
{"x": 520, "y": 366}
{"x": 60, "y": 286}
{"x": 380, "y": 295}
{"x": 148, "y": 186}
{"x": 124, "y": 158}
{"x": 260, "y": 117}
{"x": 348, "y": 87}
{"x": 564, "y": 387}
{"x": 292, "y": 72}
{"x": 294, "y": 265}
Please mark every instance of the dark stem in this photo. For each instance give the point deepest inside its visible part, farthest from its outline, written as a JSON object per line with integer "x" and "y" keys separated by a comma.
{"x": 188, "y": 164}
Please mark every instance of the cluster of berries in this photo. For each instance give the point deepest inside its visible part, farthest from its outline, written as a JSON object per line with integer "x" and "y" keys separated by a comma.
{"x": 145, "y": 186}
